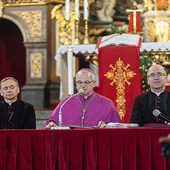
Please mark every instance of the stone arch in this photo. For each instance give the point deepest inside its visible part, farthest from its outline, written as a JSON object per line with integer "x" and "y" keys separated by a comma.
{"x": 13, "y": 52}
{"x": 18, "y": 24}
{"x": 38, "y": 31}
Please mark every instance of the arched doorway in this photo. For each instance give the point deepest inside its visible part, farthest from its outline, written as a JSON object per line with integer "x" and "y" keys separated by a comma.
{"x": 12, "y": 52}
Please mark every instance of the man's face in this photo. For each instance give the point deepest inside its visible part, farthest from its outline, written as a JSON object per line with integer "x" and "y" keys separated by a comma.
{"x": 9, "y": 90}
{"x": 84, "y": 81}
{"x": 157, "y": 78}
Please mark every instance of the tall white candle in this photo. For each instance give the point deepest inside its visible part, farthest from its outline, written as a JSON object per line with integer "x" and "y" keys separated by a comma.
{"x": 134, "y": 20}
{"x": 67, "y": 6}
{"x": 77, "y": 9}
{"x": 86, "y": 11}
{"x": 70, "y": 70}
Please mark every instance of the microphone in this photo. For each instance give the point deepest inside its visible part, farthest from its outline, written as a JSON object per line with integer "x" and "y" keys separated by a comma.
{"x": 81, "y": 91}
{"x": 157, "y": 113}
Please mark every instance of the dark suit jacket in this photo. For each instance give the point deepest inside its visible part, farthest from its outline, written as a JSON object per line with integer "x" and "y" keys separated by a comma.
{"x": 144, "y": 104}
{"x": 23, "y": 115}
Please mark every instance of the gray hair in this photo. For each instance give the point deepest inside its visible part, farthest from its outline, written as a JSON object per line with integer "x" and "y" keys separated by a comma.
{"x": 82, "y": 71}
{"x": 9, "y": 78}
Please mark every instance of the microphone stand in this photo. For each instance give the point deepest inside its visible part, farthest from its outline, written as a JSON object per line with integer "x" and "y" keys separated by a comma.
{"x": 60, "y": 123}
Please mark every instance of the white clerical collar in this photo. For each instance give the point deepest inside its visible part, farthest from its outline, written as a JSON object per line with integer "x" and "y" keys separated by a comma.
{"x": 85, "y": 97}
{"x": 10, "y": 103}
{"x": 157, "y": 93}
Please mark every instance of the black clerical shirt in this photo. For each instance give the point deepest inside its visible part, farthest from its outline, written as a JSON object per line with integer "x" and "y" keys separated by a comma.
{"x": 144, "y": 104}
{"x": 20, "y": 115}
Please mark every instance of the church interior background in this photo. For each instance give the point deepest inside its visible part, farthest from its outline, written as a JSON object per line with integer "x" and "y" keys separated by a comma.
{"x": 31, "y": 31}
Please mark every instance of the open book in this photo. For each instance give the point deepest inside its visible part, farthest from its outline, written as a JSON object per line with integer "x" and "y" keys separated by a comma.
{"x": 118, "y": 40}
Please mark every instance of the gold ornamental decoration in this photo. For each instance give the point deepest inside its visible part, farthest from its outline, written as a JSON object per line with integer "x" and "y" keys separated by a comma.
{"x": 120, "y": 74}
{"x": 1, "y": 8}
{"x": 33, "y": 19}
{"x": 36, "y": 65}
{"x": 62, "y": 24}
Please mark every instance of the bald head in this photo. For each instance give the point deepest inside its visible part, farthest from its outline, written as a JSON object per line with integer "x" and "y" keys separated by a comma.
{"x": 157, "y": 78}
{"x": 157, "y": 68}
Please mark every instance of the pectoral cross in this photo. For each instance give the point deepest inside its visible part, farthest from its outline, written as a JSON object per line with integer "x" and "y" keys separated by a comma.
{"x": 82, "y": 119}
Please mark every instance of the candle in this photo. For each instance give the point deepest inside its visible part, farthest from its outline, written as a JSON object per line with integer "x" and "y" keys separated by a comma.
{"x": 134, "y": 20}
{"x": 67, "y": 6}
{"x": 77, "y": 9}
{"x": 86, "y": 12}
{"x": 70, "y": 70}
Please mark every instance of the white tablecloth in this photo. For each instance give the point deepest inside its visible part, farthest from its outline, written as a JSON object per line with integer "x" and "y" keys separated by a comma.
{"x": 91, "y": 48}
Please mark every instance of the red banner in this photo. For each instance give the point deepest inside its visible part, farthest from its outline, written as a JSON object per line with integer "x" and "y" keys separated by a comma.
{"x": 119, "y": 77}
{"x": 134, "y": 18}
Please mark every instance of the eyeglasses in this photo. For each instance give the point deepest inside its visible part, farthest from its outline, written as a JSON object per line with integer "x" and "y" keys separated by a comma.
{"x": 85, "y": 82}
{"x": 159, "y": 74}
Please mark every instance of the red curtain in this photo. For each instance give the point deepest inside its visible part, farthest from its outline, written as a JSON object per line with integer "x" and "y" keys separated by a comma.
{"x": 83, "y": 149}
{"x": 12, "y": 52}
{"x": 119, "y": 77}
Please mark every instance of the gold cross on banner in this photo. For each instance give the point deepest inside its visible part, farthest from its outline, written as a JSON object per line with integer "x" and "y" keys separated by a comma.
{"x": 120, "y": 75}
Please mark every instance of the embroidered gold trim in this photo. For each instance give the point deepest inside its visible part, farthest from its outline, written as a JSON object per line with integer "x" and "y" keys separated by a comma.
{"x": 120, "y": 74}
